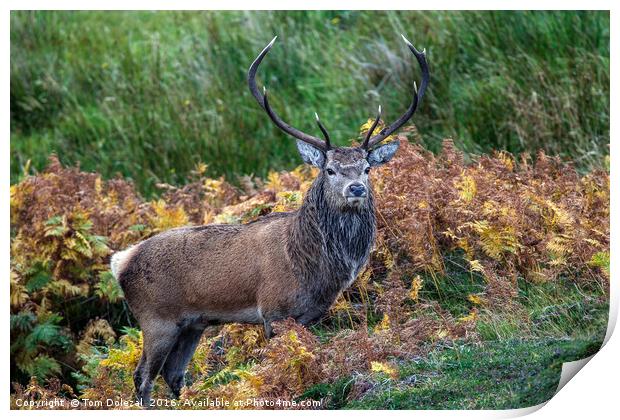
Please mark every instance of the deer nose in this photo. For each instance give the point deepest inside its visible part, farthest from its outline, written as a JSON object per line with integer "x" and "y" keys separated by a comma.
{"x": 357, "y": 190}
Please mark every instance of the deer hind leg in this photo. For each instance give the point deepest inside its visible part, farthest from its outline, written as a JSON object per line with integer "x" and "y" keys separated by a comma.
{"x": 158, "y": 342}
{"x": 182, "y": 352}
{"x": 268, "y": 328}
{"x": 138, "y": 374}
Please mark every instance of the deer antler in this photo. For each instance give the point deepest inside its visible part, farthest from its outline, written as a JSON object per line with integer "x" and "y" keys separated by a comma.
{"x": 417, "y": 97}
{"x": 372, "y": 129}
{"x": 264, "y": 103}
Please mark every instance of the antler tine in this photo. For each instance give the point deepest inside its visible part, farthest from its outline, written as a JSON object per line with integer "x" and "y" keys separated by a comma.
{"x": 264, "y": 103}
{"x": 324, "y": 131}
{"x": 290, "y": 130}
{"x": 254, "y": 68}
{"x": 417, "y": 97}
{"x": 372, "y": 129}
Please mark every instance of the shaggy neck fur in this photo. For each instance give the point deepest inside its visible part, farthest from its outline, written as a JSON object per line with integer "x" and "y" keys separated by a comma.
{"x": 329, "y": 244}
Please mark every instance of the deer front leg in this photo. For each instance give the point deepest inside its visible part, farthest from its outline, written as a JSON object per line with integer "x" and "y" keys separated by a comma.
{"x": 311, "y": 317}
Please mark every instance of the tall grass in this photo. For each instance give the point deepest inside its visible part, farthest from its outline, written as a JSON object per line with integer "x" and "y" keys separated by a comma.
{"x": 150, "y": 94}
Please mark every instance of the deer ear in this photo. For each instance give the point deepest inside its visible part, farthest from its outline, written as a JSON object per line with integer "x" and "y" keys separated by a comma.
{"x": 383, "y": 154}
{"x": 310, "y": 154}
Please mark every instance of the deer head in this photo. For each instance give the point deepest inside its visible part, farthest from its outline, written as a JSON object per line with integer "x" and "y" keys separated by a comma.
{"x": 344, "y": 170}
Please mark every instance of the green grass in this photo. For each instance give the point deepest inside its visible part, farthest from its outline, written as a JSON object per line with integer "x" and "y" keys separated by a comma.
{"x": 496, "y": 375}
{"x": 149, "y": 94}
{"x": 561, "y": 308}
{"x": 515, "y": 361}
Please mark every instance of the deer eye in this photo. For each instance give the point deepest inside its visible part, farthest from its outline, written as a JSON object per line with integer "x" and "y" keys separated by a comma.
{"x": 367, "y": 170}
{"x": 330, "y": 172}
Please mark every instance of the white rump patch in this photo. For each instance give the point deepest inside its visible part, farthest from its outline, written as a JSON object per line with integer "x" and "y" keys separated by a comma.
{"x": 120, "y": 259}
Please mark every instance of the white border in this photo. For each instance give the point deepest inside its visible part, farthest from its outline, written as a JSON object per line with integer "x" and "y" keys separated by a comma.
{"x": 592, "y": 395}
{"x": 313, "y": 5}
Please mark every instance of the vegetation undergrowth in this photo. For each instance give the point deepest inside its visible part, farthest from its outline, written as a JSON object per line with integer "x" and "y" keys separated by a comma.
{"x": 505, "y": 254}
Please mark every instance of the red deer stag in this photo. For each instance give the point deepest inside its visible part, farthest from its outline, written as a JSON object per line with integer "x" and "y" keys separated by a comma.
{"x": 282, "y": 265}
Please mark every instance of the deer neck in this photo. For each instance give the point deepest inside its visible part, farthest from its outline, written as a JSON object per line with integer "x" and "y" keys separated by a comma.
{"x": 328, "y": 245}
